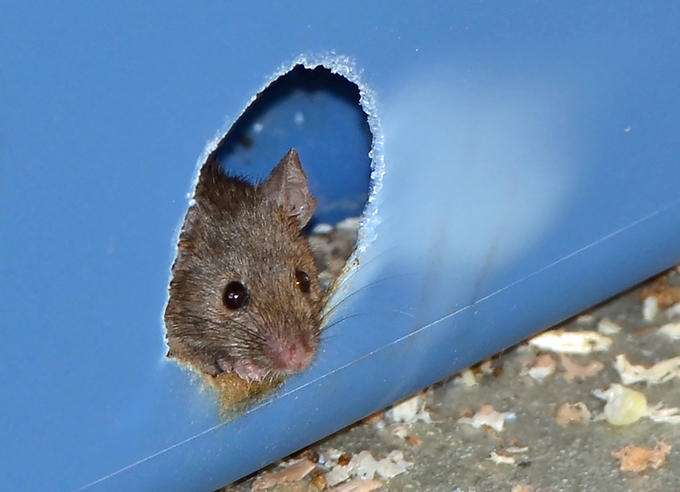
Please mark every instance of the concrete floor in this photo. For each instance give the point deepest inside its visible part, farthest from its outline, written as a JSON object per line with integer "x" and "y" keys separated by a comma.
{"x": 450, "y": 456}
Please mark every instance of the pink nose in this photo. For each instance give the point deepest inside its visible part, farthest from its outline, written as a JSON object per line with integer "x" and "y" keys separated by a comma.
{"x": 290, "y": 356}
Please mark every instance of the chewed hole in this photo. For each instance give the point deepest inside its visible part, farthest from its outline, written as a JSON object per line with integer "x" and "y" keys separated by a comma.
{"x": 317, "y": 113}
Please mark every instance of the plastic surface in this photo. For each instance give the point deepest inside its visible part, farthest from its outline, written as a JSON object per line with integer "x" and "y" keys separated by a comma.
{"x": 526, "y": 167}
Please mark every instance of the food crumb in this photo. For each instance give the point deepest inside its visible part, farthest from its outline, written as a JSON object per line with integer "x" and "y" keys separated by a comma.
{"x": 573, "y": 413}
{"x": 624, "y": 406}
{"x": 571, "y": 342}
{"x": 638, "y": 459}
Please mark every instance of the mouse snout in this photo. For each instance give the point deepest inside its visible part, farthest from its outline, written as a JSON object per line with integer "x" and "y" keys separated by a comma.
{"x": 291, "y": 356}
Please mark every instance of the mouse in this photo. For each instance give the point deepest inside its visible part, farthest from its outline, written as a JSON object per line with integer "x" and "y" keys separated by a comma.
{"x": 245, "y": 296}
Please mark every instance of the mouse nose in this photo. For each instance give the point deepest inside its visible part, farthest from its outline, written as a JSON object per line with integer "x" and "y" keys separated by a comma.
{"x": 291, "y": 356}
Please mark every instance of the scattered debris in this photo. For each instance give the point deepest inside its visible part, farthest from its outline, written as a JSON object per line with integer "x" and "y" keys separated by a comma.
{"x": 358, "y": 485}
{"x": 517, "y": 449}
{"x": 571, "y": 342}
{"x": 521, "y": 488}
{"x": 577, "y": 372}
{"x": 608, "y": 327}
{"x": 375, "y": 419}
{"x": 344, "y": 459}
{"x": 410, "y": 411}
{"x": 660, "y": 372}
{"x": 673, "y": 311}
{"x": 573, "y": 413}
{"x": 319, "y": 480}
{"x": 662, "y": 415}
{"x": 666, "y": 294}
{"x": 650, "y": 308}
{"x": 488, "y": 416}
{"x": 293, "y": 472}
{"x": 337, "y": 474}
{"x": 543, "y": 366}
{"x": 637, "y": 459}
{"x": 414, "y": 440}
{"x": 585, "y": 319}
{"x": 467, "y": 378}
{"x": 364, "y": 466}
{"x": 671, "y": 330}
{"x": 501, "y": 459}
{"x": 400, "y": 431}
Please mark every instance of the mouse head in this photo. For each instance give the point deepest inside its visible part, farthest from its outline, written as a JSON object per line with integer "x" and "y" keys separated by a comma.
{"x": 245, "y": 295}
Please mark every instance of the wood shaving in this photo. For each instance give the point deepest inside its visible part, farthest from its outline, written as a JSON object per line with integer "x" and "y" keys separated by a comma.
{"x": 543, "y": 366}
{"x": 293, "y": 472}
{"x": 410, "y": 411}
{"x": 358, "y": 485}
{"x": 467, "y": 378}
{"x": 664, "y": 415}
{"x": 489, "y": 417}
{"x": 650, "y": 308}
{"x": 573, "y": 413}
{"x": 571, "y": 342}
{"x": 414, "y": 440}
{"x": 608, "y": 327}
{"x": 577, "y": 372}
{"x": 673, "y": 311}
{"x": 400, "y": 431}
{"x": 658, "y": 373}
{"x": 671, "y": 330}
{"x": 344, "y": 459}
{"x": 501, "y": 459}
{"x": 375, "y": 418}
{"x": 337, "y": 474}
{"x": 517, "y": 449}
{"x": 637, "y": 459}
{"x": 364, "y": 466}
{"x": 319, "y": 480}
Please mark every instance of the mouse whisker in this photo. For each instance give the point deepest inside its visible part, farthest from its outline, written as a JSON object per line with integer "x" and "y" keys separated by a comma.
{"x": 332, "y": 309}
{"x": 341, "y": 279}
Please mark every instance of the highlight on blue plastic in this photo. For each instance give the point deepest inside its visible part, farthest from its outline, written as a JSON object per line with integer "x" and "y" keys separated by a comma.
{"x": 524, "y": 166}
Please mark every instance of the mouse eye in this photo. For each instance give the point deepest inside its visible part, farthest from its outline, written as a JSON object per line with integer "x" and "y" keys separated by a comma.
{"x": 235, "y": 295}
{"x": 302, "y": 281}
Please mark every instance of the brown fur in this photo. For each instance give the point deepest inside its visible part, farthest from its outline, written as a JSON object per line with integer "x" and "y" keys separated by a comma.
{"x": 236, "y": 232}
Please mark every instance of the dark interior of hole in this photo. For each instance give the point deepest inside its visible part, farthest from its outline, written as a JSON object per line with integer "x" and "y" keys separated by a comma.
{"x": 318, "y": 113}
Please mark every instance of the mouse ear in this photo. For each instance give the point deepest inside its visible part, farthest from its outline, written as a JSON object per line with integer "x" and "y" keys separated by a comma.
{"x": 287, "y": 187}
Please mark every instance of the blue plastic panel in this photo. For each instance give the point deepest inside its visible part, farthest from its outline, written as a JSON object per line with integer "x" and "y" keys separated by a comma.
{"x": 526, "y": 165}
